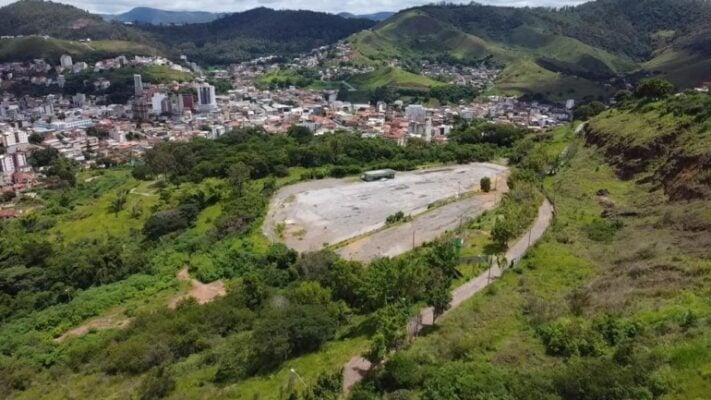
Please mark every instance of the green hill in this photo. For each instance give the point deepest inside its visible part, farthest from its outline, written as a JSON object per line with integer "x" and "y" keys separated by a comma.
{"x": 39, "y": 17}
{"x": 31, "y": 47}
{"x": 551, "y": 51}
{"x": 255, "y": 33}
{"x": 669, "y": 142}
{"x": 234, "y": 37}
{"x": 154, "y": 16}
{"x": 393, "y": 77}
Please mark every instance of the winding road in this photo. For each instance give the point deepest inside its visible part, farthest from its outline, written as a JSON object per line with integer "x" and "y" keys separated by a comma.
{"x": 358, "y": 367}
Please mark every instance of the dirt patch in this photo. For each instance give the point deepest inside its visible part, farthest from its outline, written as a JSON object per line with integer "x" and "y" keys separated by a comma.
{"x": 354, "y": 371}
{"x": 113, "y": 321}
{"x": 203, "y": 293}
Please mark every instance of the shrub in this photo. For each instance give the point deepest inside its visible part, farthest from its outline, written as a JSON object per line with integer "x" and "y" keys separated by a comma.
{"x": 395, "y": 218}
{"x": 485, "y": 184}
{"x": 603, "y": 230}
{"x": 156, "y": 385}
{"x": 568, "y": 338}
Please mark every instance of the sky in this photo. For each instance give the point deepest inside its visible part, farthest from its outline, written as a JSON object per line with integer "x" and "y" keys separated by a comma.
{"x": 352, "y": 6}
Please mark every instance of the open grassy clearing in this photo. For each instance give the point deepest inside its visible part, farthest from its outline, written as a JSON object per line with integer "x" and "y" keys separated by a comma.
{"x": 524, "y": 76}
{"x": 393, "y": 77}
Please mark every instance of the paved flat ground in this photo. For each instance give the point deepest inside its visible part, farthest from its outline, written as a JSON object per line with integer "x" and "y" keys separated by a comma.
{"x": 428, "y": 227}
{"x": 331, "y": 211}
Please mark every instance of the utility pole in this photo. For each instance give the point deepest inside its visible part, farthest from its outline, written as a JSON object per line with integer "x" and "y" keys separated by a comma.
{"x": 491, "y": 265}
{"x": 529, "y": 234}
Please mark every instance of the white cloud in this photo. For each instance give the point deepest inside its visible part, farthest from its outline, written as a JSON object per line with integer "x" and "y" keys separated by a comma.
{"x": 354, "y": 6}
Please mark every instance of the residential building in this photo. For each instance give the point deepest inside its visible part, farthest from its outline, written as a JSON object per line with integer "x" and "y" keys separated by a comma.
{"x": 7, "y": 164}
{"x": 415, "y": 113}
{"x": 138, "y": 85}
{"x": 66, "y": 61}
{"x": 206, "y": 98}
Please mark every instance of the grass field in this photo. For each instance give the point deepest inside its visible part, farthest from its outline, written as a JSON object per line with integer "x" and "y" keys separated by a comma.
{"x": 526, "y": 77}
{"x": 92, "y": 217}
{"x": 393, "y": 77}
{"x": 681, "y": 68}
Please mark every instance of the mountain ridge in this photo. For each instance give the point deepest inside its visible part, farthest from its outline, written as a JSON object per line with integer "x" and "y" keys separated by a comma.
{"x": 156, "y": 16}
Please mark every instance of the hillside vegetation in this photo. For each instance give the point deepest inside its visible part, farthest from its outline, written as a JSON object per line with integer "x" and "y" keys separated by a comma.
{"x": 668, "y": 142}
{"x": 31, "y": 17}
{"x": 154, "y": 16}
{"x": 99, "y": 254}
{"x": 393, "y": 77}
{"x": 257, "y": 32}
{"x": 232, "y": 38}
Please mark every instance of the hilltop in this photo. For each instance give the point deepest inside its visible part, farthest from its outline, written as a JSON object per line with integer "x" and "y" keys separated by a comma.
{"x": 39, "y": 17}
{"x": 257, "y": 32}
{"x": 547, "y": 50}
{"x": 378, "y": 16}
{"x": 154, "y": 16}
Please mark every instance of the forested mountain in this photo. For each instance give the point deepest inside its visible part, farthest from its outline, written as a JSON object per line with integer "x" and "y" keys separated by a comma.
{"x": 543, "y": 47}
{"x": 154, "y": 16}
{"x": 232, "y": 38}
{"x": 29, "y": 17}
{"x": 260, "y": 31}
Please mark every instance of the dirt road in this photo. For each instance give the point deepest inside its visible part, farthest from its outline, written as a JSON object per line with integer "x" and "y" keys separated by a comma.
{"x": 357, "y": 367}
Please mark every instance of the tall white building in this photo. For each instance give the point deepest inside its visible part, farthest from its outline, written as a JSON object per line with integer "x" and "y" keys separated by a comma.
{"x": 415, "y": 113}
{"x": 138, "y": 85}
{"x": 156, "y": 102}
{"x": 7, "y": 164}
{"x": 13, "y": 137}
{"x": 66, "y": 61}
{"x": 428, "y": 130}
{"x": 78, "y": 100}
{"x": 206, "y": 97}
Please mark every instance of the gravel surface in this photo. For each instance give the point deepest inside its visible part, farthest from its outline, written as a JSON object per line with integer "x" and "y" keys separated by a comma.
{"x": 312, "y": 214}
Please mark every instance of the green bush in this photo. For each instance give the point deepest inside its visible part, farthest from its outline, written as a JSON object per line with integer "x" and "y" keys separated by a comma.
{"x": 485, "y": 184}
{"x": 603, "y": 230}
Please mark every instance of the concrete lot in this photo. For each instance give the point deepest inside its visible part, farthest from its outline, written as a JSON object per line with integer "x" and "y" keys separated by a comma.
{"x": 400, "y": 238}
{"x": 311, "y": 214}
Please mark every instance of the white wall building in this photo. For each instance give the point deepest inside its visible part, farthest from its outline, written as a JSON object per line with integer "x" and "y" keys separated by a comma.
{"x": 156, "y": 101}
{"x": 207, "y": 100}
{"x": 415, "y": 113}
{"x": 138, "y": 85}
{"x": 66, "y": 61}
